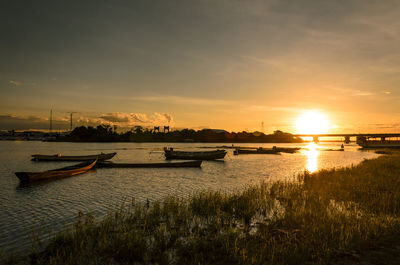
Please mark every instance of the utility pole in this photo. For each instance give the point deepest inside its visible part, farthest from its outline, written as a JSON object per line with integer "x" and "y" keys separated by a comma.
{"x": 72, "y": 112}
{"x": 262, "y": 126}
{"x": 51, "y": 120}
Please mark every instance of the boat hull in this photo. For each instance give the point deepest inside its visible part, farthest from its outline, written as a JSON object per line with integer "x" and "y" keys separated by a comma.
{"x": 99, "y": 157}
{"x": 196, "y": 163}
{"x": 257, "y": 151}
{"x": 203, "y": 155}
{"x": 56, "y": 173}
{"x": 290, "y": 150}
{"x": 328, "y": 149}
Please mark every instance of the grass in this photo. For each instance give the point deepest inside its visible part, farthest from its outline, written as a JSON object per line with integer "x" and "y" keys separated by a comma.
{"x": 339, "y": 216}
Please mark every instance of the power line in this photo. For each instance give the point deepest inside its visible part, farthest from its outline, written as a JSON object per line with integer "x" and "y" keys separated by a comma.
{"x": 51, "y": 120}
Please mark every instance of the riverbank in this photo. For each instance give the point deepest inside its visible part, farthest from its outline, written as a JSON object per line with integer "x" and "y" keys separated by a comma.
{"x": 106, "y": 133}
{"x": 344, "y": 216}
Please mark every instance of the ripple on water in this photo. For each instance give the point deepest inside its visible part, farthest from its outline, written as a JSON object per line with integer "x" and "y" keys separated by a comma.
{"x": 55, "y": 205}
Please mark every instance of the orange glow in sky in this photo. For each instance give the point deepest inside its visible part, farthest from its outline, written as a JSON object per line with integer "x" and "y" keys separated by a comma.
{"x": 312, "y": 122}
{"x": 263, "y": 68}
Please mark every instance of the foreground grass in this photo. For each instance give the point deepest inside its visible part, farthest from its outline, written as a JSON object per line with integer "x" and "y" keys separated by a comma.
{"x": 339, "y": 216}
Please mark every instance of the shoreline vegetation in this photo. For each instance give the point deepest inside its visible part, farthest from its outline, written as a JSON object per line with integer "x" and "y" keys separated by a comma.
{"x": 339, "y": 216}
{"x": 106, "y": 133}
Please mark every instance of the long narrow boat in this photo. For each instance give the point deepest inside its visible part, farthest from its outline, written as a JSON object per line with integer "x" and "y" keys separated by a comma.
{"x": 330, "y": 149}
{"x": 256, "y": 151}
{"x": 194, "y": 155}
{"x": 56, "y": 173}
{"x": 60, "y": 157}
{"x": 196, "y": 163}
{"x": 290, "y": 150}
{"x": 277, "y": 148}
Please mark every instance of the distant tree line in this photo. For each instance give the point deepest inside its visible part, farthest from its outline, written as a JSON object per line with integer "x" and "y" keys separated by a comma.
{"x": 107, "y": 133}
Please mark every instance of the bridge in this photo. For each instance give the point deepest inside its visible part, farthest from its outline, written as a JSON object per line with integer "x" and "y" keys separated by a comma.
{"x": 347, "y": 136}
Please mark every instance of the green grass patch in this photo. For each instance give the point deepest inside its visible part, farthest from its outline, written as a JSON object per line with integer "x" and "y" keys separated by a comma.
{"x": 337, "y": 216}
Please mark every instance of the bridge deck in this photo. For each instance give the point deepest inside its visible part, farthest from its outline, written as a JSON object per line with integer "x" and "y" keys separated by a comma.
{"x": 349, "y": 135}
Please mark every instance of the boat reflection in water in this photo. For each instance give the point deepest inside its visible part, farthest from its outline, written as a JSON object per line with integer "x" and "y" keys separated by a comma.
{"x": 312, "y": 157}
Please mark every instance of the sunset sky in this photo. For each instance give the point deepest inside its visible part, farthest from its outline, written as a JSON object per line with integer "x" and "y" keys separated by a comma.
{"x": 201, "y": 64}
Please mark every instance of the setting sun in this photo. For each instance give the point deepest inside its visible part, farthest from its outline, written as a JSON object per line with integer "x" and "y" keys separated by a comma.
{"x": 312, "y": 122}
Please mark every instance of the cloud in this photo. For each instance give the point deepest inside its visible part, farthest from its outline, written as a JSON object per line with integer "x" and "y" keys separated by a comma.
{"x": 126, "y": 120}
{"x": 379, "y": 127}
{"x": 24, "y": 122}
{"x": 163, "y": 118}
{"x": 139, "y": 117}
{"x": 89, "y": 121}
{"x": 115, "y": 117}
{"x": 15, "y": 83}
{"x": 384, "y": 125}
{"x": 350, "y": 91}
{"x": 4, "y": 117}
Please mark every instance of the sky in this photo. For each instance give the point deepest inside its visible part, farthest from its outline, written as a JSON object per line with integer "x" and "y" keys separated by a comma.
{"x": 200, "y": 64}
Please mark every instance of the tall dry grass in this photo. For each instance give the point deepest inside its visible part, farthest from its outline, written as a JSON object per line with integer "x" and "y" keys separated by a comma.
{"x": 319, "y": 219}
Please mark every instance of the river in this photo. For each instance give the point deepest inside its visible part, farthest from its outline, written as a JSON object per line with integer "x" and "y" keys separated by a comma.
{"x": 49, "y": 207}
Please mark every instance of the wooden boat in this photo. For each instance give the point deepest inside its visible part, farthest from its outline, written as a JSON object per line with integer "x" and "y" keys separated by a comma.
{"x": 56, "y": 173}
{"x": 59, "y": 157}
{"x": 279, "y": 149}
{"x": 290, "y": 150}
{"x": 196, "y": 163}
{"x": 256, "y": 151}
{"x": 330, "y": 149}
{"x": 194, "y": 155}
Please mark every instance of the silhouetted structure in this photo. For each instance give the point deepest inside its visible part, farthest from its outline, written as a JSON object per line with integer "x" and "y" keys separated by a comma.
{"x": 51, "y": 121}
{"x": 105, "y": 133}
{"x": 347, "y": 136}
{"x": 72, "y": 112}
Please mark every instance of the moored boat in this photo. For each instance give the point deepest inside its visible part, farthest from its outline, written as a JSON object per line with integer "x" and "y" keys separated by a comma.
{"x": 60, "y": 157}
{"x": 330, "y": 149}
{"x": 277, "y": 148}
{"x": 256, "y": 151}
{"x": 194, "y": 155}
{"x": 290, "y": 150}
{"x": 56, "y": 173}
{"x": 196, "y": 163}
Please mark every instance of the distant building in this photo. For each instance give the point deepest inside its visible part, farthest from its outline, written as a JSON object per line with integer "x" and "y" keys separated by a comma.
{"x": 31, "y": 135}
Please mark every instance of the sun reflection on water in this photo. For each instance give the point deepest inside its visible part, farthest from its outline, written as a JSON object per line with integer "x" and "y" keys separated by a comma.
{"x": 312, "y": 157}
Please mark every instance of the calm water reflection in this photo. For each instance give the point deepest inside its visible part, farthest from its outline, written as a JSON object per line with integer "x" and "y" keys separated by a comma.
{"x": 312, "y": 157}
{"x": 55, "y": 205}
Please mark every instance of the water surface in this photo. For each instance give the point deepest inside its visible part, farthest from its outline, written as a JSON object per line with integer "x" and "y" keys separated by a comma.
{"x": 55, "y": 205}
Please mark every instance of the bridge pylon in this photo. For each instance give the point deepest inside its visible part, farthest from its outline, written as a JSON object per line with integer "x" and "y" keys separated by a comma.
{"x": 315, "y": 139}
